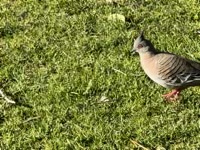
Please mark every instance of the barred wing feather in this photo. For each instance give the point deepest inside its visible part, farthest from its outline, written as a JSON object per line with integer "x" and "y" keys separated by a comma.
{"x": 177, "y": 71}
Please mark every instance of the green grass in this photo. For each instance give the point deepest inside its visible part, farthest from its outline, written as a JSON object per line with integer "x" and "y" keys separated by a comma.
{"x": 60, "y": 58}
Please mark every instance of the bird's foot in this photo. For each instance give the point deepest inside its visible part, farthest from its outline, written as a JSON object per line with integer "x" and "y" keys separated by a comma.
{"x": 172, "y": 96}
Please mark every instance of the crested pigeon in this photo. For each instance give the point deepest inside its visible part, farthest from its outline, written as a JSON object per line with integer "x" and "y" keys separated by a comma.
{"x": 167, "y": 69}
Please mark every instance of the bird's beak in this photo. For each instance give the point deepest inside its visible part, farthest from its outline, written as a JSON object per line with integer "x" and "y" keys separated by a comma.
{"x": 133, "y": 51}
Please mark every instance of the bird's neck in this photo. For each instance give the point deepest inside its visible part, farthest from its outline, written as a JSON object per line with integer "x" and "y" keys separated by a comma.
{"x": 147, "y": 55}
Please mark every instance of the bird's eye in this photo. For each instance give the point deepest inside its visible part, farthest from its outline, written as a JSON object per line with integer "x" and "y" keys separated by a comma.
{"x": 140, "y": 46}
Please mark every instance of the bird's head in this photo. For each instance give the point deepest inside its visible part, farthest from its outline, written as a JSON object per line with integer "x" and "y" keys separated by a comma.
{"x": 141, "y": 45}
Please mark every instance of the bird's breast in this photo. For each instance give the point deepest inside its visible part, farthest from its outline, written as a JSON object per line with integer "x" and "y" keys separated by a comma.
{"x": 150, "y": 67}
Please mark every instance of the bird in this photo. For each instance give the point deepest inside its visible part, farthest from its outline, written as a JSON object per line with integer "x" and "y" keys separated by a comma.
{"x": 167, "y": 69}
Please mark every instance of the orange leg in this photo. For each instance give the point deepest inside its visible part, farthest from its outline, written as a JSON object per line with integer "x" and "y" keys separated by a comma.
{"x": 173, "y": 95}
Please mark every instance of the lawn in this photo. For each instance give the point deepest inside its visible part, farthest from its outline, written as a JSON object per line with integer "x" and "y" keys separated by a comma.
{"x": 68, "y": 66}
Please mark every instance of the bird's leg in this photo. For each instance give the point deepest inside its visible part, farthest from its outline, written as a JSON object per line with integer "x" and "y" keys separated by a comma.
{"x": 173, "y": 95}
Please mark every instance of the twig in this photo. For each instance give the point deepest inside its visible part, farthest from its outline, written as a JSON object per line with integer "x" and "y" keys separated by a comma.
{"x": 119, "y": 71}
{"x": 6, "y": 98}
{"x": 139, "y": 145}
{"x": 30, "y": 119}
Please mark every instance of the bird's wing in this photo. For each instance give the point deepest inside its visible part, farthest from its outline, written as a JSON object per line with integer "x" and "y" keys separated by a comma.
{"x": 177, "y": 71}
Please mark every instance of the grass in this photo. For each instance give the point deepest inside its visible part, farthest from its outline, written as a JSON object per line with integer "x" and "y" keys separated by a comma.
{"x": 75, "y": 84}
